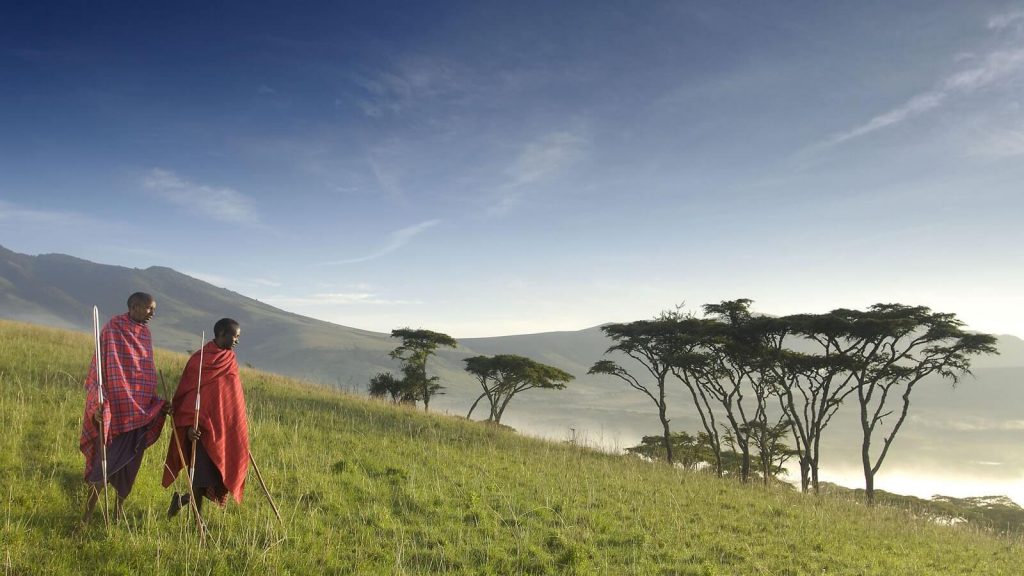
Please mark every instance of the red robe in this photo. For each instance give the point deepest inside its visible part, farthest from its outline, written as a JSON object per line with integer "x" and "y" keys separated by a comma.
{"x": 129, "y": 386}
{"x": 222, "y": 417}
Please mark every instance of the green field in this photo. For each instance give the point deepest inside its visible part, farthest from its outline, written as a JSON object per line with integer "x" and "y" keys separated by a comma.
{"x": 366, "y": 488}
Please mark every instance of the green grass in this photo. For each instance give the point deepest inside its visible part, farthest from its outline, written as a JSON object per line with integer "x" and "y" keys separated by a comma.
{"x": 367, "y": 488}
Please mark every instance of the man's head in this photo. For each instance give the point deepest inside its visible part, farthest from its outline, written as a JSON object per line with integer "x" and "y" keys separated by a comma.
{"x": 141, "y": 307}
{"x": 225, "y": 333}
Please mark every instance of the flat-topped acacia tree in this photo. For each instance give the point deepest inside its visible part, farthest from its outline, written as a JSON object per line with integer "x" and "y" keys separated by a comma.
{"x": 651, "y": 343}
{"x": 418, "y": 345}
{"x": 505, "y": 375}
{"x": 892, "y": 348}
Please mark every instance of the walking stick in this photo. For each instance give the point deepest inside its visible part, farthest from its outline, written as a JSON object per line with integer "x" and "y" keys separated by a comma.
{"x": 264, "y": 485}
{"x": 181, "y": 458}
{"x": 199, "y": 383}
{"x": 99, "y": 388}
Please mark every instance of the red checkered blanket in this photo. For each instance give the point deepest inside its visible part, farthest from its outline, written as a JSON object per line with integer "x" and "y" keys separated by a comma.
{"x": 129, "y": 387}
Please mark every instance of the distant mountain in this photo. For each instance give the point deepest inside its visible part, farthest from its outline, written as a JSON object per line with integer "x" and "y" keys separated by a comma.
{"x": 59, "y": 290}
{"x": 976, "y": 425}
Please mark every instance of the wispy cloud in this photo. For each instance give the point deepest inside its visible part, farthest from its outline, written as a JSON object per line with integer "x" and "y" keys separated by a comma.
{"x": 977, "y": 424}
{"x": 14, "y": 213}
{"x": 334, "y": 299}
{"x": 1000, "y": 143}
{"x": 1002, "y": 21}
{"x": 995, "y": 66}
{"x": 224, "y": 204}
{"x": 546, "y": 156}
{"x": 387, "y": 180}
{"x": 397, "y": 239}
{"x": 537, "y": 162}
{"x": 407, "y": 85}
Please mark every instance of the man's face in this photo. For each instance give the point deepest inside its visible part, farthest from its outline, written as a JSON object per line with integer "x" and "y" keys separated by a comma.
{"x": 228, "y": 339}
{"x": 142, "y": 312}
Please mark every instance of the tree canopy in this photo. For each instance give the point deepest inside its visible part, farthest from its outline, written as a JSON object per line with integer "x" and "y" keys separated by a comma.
{"x": 505, "y": 375}
{"x": 416, "y": 347}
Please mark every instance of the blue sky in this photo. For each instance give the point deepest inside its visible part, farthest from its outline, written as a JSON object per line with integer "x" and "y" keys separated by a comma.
{"x": 487, "y": 168}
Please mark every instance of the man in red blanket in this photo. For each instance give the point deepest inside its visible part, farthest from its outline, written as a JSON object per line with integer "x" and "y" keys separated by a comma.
{"x": 131, "y": 415}
{"x": 222, "y": 449}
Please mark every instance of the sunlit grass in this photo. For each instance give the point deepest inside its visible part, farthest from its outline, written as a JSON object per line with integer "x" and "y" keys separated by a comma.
{"x": 367, "y": 488}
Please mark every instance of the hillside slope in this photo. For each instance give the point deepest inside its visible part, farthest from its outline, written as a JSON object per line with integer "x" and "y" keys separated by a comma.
{"x": 969, "y": 436}
{"x": 366, "y": 488}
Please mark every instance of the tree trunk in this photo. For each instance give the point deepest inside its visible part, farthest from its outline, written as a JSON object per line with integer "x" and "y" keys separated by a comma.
{"x": 814, "y": 477}
{"x": 869, "y": 474}
{"x": 473, "y": 407}
{"x": 668, "y": 434}
{"x": 805, "y": 473}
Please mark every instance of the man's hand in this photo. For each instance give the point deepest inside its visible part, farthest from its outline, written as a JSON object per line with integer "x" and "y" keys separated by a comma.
{"x": 167, "y": 409}
{"x": 193, "y": 434}
{"x": 97, "y": 416}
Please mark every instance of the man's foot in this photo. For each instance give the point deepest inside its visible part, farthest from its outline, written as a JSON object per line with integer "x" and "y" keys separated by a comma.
{"x": 177, "y": 501}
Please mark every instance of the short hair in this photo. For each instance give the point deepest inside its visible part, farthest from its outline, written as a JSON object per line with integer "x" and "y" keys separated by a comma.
{"x": 140, "y": 298}
{"x": 223, "y": 325}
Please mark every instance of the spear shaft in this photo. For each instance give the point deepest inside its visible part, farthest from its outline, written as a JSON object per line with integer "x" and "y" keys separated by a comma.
{"x": 181, "y": 458}
{"x": 199, "y": 383}
{"x": 264, "y": 485}
{"x": 99, "y": 388}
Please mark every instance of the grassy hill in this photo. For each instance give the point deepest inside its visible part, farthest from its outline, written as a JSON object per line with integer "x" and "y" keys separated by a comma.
{"x": 366, "y": 488}
{"x": 974, "y": 426}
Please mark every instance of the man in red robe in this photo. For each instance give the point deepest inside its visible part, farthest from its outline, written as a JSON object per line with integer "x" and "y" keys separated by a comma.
{"x": 222, "y": 437}
{"x": 131, "y": 415}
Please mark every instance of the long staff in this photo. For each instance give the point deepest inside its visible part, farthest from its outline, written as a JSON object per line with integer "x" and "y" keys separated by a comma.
{"x": 181, "y": 458}
{"x": 264, "y": 485}
{"x": 199, "y": 383}
{"x": 99, "y": 388}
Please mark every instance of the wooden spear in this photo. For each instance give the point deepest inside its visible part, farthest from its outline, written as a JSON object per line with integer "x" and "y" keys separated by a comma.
{"x": 99, "y": 388}
{"x": 199, "y": 383}
{"x": 264, "y": 485}
{"x": 181, "y": 458}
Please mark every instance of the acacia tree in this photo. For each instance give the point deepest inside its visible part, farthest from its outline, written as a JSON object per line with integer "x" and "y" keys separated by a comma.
{"x": 810, "y": 387}
{"x": 895, "y": 347}
{"x": 743, "y": 385}
{"x": 385, "y": 384}
{"x": 649, "y": 342}
{"x": 417, "y": 346}
{"x": 693, "y": 365}
{"x": 689, "y": 451}
{"x": 505, "y": 375}
{"x": 772, "y": 452}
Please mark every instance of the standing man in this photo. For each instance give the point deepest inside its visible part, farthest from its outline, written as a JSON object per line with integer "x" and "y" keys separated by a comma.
{"x": 132, "y": 414}
{"x": 222, "y": 437}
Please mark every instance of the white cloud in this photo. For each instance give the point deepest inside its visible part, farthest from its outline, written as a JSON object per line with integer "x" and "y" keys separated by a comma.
{"x": 333, "y": 299}
{"x": 537, "y": 162}
{"x": 387, "y": 180}
{"x": 407, "y": 85}
{"x": 397, "y": 239}
{"x": 971, "y": 425}
{"x": 916, "y": 105}
{"x": 14, "y": 213}
{"x": 224, "y": 204}
{"x": 545, "y": 157}
{"x": 1001, "y": 21}
{"x": 1000, "y": 143}
{"x": 232, "y": 282}
{"x": 995, "y": 66}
